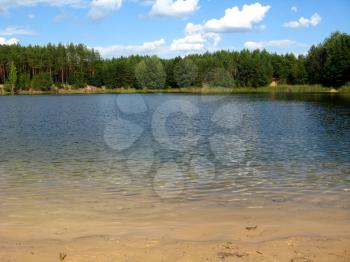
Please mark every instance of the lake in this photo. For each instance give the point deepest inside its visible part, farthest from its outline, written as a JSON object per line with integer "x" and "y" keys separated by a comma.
{"x": 117, "y": 159}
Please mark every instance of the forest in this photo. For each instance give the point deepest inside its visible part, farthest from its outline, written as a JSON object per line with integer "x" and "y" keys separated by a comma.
{"x": 75, "y": 66}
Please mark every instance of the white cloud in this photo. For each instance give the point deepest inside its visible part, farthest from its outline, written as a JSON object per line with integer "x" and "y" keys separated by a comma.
{"x": 294, "y": 9}
{"x": 193, "y": 29}
{"x": 98, "y": 8}
{"x": 31, "y": 16}
{"x": 314, "y": 20}
{"x": 102, "y": 8}
{"x": 236, "y": 20}
{"x": 195, "y": 40}
{"x": 11, "y": 41}
{"x": 7, "y": 4}
{"x": 120, "y": 50}
{"x": 274, "y": 43}
{"x": 190, "y": 43}
{"x": 177, "y": 8}
{"x": 16, "y": 30}
{"x": 206, "y": 36}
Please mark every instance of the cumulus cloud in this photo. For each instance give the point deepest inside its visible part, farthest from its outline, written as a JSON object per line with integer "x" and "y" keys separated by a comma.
{"x": 314, "y": 20}
{"x": 16, "y": 30}
{"x": 236, "y": 20}
{"x": 206, "y": 36}
{"x": 11, "y": 41}
{"x": 294, "y": 9}
{"x": 191, "y": 43}
{"x": 188, "y": 43}
{"x": 102, "y": 8}
{"x": 274, "y": 43}
{"x": 195, "y": 43}
{"x": 177, "y": 8}
{"x": 193, "y": 28}
{"x": 154, "y": 47}
{"x": 195, "y": 40}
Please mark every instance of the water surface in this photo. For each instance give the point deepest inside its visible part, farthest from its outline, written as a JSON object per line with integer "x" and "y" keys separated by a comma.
{"x": 128, "y": 153}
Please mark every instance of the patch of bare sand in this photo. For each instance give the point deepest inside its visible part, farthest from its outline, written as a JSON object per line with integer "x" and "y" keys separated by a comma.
{"x": 106, "y": 248}
{"x": 192, "y": 235}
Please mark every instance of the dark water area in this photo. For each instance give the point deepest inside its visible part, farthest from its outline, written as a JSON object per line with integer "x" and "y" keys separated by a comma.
{"x": 246, "y": 150}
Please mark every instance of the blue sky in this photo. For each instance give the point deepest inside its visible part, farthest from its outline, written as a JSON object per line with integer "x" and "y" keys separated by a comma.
{"x": 173, "y": 27}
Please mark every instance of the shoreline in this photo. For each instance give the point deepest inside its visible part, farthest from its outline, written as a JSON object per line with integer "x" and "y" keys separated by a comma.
{"x": 307, "y": 89}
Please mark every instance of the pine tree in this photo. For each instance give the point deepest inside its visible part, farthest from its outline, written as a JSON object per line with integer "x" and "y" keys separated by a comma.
{"x": 12, "y": 78}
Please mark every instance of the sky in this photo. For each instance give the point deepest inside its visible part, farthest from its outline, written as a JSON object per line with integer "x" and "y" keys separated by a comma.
{"x": 170, "y": 28}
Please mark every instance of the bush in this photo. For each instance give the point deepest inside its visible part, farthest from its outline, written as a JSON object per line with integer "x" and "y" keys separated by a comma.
{"x": 78, "y": 80}
{"x": 24, "y": 82}
{"x": 42, "y": 81}
{"x": 7, "y": 86}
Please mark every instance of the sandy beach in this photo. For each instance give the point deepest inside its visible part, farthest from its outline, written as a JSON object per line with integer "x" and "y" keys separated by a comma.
{"x": 216, "y": 234}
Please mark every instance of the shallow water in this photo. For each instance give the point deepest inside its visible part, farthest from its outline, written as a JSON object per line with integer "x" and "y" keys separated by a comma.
{"x": 148, "y": 156}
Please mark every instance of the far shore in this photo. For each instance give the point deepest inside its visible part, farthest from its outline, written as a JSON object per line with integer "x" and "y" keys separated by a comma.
{"x": 302, "y": 89}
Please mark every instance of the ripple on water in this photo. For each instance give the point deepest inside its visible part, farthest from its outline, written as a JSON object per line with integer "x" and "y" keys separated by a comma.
{"x": 240, "y": 150}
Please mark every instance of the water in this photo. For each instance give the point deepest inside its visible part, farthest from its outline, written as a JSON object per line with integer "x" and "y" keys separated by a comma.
{"x": 151, "y": 154}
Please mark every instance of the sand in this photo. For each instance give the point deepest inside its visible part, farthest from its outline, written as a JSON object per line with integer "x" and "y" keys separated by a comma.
{"x": 191, "y": 234}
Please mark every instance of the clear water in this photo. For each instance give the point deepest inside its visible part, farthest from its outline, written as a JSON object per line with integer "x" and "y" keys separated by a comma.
{"x": 108, "y": 151}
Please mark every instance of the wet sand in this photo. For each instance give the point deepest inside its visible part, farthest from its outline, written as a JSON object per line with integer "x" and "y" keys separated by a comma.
{"x": 188, "y": 234}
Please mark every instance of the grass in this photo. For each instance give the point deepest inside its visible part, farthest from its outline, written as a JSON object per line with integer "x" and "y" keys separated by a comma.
{"x": 197, "y": 90}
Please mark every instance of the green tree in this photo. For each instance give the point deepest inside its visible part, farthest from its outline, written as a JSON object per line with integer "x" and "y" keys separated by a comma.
{"x": 336, "y": 70}
{"x": 219, "y": 77}
{"x": 315, "y": 64}
{"x": 169, "y": 69}
{"x": 150, "y": 73}
{"x": 24, "y": 81}
{"x": 12, "y": 78}
{"x": 78, "y": 80}
{"x": 185, "y": 73}
{"x": 77, "y": 65}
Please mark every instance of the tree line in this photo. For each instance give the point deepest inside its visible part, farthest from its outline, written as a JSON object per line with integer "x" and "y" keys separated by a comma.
{"x": 43, "y": 67}
{"x": 75, "y": 66}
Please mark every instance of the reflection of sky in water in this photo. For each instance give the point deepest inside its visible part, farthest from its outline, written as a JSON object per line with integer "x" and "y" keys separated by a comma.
{"x": 224, "y": 149}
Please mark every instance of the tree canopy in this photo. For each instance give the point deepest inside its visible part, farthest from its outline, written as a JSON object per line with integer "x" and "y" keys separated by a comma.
{"x": 43, "y": 67}
{"x": 150, "y": 73}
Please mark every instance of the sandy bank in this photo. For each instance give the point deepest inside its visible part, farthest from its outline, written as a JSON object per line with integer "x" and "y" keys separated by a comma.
{"x": 197, "y": 235}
